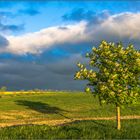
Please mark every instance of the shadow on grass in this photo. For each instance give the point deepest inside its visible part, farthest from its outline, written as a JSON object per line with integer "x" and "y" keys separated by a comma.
{"x": 42, "y": 107}
{"x": 102, "y": 124}
{"x": 97, "y": 123}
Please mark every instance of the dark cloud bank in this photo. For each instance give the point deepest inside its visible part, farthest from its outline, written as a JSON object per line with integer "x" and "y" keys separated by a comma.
{"x": 31, "y": 75}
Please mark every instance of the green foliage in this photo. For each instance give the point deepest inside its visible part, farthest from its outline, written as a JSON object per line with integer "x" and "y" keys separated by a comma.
{"x": 114, "y": 73}
{"x": 2, "y": 89}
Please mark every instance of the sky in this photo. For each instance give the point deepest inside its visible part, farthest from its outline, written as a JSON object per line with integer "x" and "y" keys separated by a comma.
{"x": 41, "y": 41}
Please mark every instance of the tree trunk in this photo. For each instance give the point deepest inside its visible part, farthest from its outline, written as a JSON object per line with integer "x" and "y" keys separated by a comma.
{"x": 118, "y": 117}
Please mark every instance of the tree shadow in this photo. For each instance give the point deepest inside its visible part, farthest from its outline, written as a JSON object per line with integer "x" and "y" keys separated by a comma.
{"x": 42, "y": 107}
{"x": 101, "y": 124}
{"x": 97, "y": 122}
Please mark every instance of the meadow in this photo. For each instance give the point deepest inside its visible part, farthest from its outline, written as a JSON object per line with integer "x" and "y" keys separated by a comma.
{"x": 63, "y": 115}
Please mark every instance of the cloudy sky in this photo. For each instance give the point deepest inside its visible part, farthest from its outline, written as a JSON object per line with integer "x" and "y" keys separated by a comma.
{"x": 41, "y": 41}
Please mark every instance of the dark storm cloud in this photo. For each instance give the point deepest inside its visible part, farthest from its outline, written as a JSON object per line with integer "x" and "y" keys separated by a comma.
{"x": 58, "y": 75}
{"x": 3, "y": 41}
{"x": 48, "y": 72}
{"x": 69, "y": 49}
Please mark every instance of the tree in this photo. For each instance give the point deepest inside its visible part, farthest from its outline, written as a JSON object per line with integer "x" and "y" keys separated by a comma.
{"x": 113, "y": 74}
{"x": 3, "y": 89}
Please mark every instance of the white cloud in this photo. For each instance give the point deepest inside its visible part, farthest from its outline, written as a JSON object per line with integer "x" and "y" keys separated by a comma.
{"x": 116, "y": 27}
{"x": 37, "y": 41}
{"x": 119, "y": 27}
{"x": 125, "y": 24}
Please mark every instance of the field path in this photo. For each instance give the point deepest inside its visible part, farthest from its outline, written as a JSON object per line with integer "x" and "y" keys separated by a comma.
{"x": 41, "y": 121}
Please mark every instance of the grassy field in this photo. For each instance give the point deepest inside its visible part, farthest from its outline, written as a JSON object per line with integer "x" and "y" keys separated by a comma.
{"x": 56, "y": 106}
{"x": 18, "y": 108}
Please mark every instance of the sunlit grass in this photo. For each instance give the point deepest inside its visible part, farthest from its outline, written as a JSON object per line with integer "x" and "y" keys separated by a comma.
{"x": 57, "y": 105}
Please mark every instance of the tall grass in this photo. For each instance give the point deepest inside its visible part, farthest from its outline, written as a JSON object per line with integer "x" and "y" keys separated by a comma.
{"x": 78, "y": 130}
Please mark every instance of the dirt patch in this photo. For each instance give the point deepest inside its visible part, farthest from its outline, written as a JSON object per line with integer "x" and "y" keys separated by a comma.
{"x": 41, "y": 121}
{"x": 14, "y": 115}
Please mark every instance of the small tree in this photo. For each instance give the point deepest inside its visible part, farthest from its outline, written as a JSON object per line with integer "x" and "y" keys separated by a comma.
{"x": 113, "y": 75}
{"x": 3, "y": 89}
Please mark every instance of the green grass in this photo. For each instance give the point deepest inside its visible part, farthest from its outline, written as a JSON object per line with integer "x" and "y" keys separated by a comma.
{"x": 80, "y": 130}
{"x": 62, "y": 105}
{"x": 57, "y": 106}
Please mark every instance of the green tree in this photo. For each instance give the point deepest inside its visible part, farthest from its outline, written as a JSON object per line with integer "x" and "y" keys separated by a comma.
{"x": 113, "y": 74}
{"x": 3, "y": 89}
